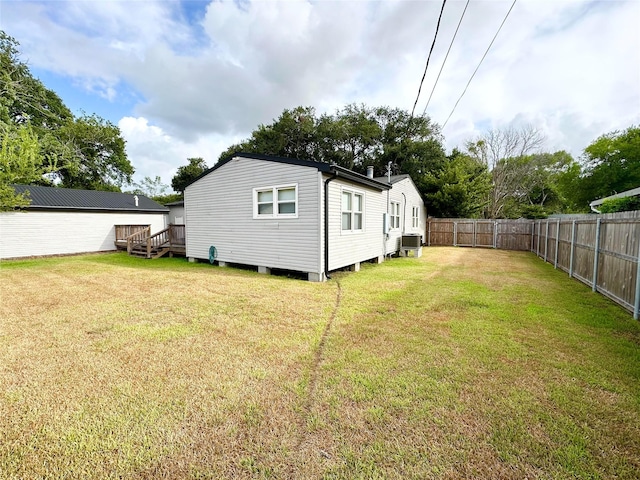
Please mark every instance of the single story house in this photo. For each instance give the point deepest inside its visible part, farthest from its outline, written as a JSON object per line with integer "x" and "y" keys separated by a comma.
{"x": 298, "y": 215}
{"x": 65, "y": 221}
{"x": 629, "y": 193}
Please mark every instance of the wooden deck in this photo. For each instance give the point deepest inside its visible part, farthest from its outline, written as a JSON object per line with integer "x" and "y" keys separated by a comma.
{"x": 139, "y": 241}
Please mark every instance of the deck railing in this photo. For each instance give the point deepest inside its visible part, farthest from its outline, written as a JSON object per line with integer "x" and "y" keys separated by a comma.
{"x": 140, "y": 239}
{"x": 123, "y": 231}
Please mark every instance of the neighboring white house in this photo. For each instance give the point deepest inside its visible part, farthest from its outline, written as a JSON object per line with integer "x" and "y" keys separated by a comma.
{"x": 629, "y": 193}
{"x": 176, "y": 212}
{"x": 289, "y": 214}
{"x": 65, "y": 221}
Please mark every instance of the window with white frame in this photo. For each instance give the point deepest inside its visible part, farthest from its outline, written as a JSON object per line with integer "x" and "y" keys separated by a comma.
{"x": 276, "y": 202}
{"x": 352, "y": 211}
{"x": 395, "y": 215}
{"x": 415, "y": 216}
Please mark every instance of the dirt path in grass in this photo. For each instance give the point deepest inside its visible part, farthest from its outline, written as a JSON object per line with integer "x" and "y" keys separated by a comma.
{"x": 313, "y": 379}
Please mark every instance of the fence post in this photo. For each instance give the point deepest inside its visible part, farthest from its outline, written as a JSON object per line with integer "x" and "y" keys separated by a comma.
{"x": 429, "y": 233}
{"x": 546, "y": 240}
{"x": 533, "y": 234}
{"x": 636, "y": 307}
{"x": 455, "y": 234}
{"x": 495, "y": 234}
{"x": 538, "y": 242}
{"x": 475, "y": 233}
{"x": 555, "y": 263}
{"x": 573, "y": 242}
{"x": 594, "y": 286}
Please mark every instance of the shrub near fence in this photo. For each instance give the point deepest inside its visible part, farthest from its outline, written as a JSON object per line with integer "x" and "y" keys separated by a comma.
{"x": 601, "y": 247}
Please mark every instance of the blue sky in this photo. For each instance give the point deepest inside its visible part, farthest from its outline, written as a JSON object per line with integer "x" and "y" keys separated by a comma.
{"x": 189, "y": 78}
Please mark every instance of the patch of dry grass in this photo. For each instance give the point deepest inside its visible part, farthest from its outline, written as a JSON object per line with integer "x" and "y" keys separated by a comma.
{"x": 461, "y": 364}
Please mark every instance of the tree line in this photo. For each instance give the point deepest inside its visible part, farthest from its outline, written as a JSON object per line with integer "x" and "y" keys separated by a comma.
{"x": 504, "y": 173}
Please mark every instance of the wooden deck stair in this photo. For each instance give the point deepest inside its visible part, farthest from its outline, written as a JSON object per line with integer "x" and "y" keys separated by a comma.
{"x": 143, "y": 244}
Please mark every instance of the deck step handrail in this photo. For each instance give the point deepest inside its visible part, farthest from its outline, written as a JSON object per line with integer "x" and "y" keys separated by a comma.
{"x": 152, "y": 246}
{"x": 137, "y": 238}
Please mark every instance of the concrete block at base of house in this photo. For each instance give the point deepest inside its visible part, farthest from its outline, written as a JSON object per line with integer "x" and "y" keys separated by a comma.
{"x": 379, "y": 259}
{"x": 193, "y": 260}
{"x": 416, "y": 252}
{"x": 315, "y": 277}
{"x": 222, "y": 264}
{"x": 266, "y": 270}
{"x": 355, "y": 267}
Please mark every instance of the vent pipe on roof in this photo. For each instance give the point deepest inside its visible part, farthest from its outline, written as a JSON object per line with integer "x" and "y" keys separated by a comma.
{"x": 370, "y": 171}
{"x": 135, "y": 199}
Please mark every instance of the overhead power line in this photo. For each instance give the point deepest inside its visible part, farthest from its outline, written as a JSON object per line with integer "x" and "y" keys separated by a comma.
{"x": 428, "y": 58}
{"x": 481, "y": 60}
{"x": 445, "y": 58}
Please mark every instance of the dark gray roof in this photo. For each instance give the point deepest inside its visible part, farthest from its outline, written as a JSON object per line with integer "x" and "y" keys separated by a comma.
{"x": 179, "y": 203}
{"x": 321, "y": 166}
{"x": 51, "y": 198}
{"x": 394, "y": 178}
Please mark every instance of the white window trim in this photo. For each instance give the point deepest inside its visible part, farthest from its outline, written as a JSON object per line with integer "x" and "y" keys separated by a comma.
{"x": 393, "y": 216}
{"x": 415, "y": 219}
{"x": 275, "y": 214}
{"x": 352, "y": 231}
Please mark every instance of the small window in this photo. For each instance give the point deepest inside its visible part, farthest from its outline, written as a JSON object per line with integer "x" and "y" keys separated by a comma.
{"x": 415, "y": 216}
{"x": 276, "y": 202}
{"x": 352, "y": 211}
{"x": 395, "y": 215}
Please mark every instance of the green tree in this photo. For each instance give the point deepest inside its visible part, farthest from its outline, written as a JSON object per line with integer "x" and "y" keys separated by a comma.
{"x": 611, "y": 165}
{"x": 20, "y": 163}
{"x": 187, "y": 173}
{"x": 89, "y": 151}
{"x": 501, "y": 150}
{"x": 151, "y": 187}
{"x": 458, "y": 189}
{"x": 355, "y": 137}
{"x": 97, "y": 159}
{"x": 538, "y": 191}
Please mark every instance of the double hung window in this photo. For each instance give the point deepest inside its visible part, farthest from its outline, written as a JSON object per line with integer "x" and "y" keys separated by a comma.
{"x": 352, "y": 211}
{"x": 395, "y": 215}
{"x": 415, "y": 216}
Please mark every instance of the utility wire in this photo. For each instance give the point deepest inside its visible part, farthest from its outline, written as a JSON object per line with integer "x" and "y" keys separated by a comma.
{"x": 481, "y": 60}
{"x": 445, "y": 58}
{"x": 428, "y": 58}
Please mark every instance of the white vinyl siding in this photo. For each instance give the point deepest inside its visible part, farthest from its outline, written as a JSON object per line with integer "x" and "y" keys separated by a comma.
{"x": 36, "y": 233}
{"x": 220, "y": 212}
{"x": 346, "y": 249}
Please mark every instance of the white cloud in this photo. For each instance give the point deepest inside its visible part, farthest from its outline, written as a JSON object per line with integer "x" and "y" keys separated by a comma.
{"x": 569, "y": 67}
{"x": 155, "y": 153}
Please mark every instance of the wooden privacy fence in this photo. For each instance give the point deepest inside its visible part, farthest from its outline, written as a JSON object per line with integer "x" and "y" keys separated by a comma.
{"x": 602, "y": 251}
{"x": 465, "y": 232}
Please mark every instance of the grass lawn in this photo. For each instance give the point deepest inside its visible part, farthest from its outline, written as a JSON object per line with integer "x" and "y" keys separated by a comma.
{"x": 465, "y": 363}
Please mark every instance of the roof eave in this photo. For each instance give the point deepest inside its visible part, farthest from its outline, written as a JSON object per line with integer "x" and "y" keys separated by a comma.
{"x": 94, "y": 209}
{"x": 359, "y": 178}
